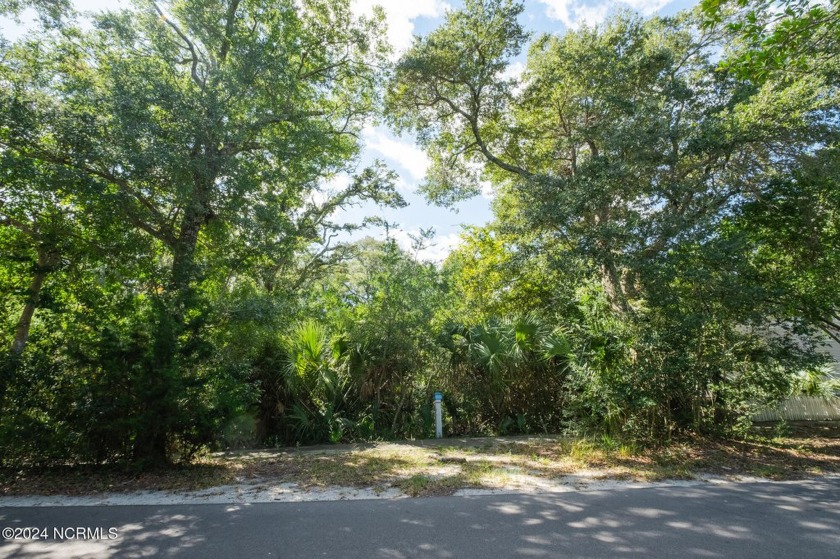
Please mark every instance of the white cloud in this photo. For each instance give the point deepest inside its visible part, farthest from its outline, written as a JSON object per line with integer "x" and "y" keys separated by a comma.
{"x": 399, "y": 15}
{"x": 647, "y": 7}
{"x": 513, "y": 70}
{"x": 397, "y": 152}
{"x": 329, "y": 188}
{"x": 439, "y": 248}
{"x": 591, "y": 15}
{"x": 559, "y": 9}
{"x": 487, "y": 189}
{"x": 575, "y": 13}
{"x": 403, "y": 186}
{"x": 338, "y": 182}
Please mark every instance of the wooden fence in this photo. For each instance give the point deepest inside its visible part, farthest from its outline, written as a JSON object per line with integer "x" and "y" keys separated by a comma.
{"x": 803, "y": 408}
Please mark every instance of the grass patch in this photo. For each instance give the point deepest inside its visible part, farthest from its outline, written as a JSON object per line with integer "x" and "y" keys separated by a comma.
{"x": 416, "y": 485}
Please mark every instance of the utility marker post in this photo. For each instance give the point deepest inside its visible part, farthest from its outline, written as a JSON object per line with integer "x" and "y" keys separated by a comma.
{"x": 438, "y": 417}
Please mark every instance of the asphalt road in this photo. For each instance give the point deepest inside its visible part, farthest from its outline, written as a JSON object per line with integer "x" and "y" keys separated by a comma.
{"x": 764, "y": 520}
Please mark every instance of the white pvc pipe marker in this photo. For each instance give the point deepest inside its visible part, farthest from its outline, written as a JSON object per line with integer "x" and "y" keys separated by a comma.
{"x": 438, "y": 416}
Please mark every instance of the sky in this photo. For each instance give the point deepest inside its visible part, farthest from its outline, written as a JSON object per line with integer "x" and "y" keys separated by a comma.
{"x": 405, "y": 19}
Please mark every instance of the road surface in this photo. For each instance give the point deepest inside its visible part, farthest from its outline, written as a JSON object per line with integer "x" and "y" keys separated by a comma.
{"x": 766, "y": 520}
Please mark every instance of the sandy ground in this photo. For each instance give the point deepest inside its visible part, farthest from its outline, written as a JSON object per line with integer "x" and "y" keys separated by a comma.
{"x": 263, "y": 491}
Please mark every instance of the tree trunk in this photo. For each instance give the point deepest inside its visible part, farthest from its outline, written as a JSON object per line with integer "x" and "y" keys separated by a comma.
{"x": 160, "y": 389}
{"x": 150, "y": 447}
{"x": 400, "y": 405}
{"x": 610, "y": 276}
{"x": 47, "y": 259}
{"x": 611, "y": 281}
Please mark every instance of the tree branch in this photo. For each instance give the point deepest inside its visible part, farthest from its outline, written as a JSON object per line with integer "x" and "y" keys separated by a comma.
{"x": 8, "y": 221}
{"x": 183, "y": 36}
{"x": 472, "y": 120}
{"x": 227, "y": 39}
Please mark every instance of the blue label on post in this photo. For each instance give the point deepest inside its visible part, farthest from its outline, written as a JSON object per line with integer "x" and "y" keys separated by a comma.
{"x": 438, "y": 396}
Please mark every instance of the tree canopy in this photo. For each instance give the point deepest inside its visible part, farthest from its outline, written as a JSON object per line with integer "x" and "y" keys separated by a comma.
{"x": 663, "y": 256}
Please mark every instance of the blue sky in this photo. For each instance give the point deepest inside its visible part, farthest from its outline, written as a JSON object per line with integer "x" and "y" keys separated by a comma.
{"x": 407, "y": 18}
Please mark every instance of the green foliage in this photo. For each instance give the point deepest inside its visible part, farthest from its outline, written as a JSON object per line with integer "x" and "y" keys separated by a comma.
{"x": 385, "y": 303}
{"x": 817, "y": 382}
{"x": 506, "y": 376}
{"x": 448, "y": 88}
{"x": 98, "y": 391}
{"x": 664, "y": 257}
{"x": 197, "y": 134}
{"x": 316, "y": 377}
{"x": 628, "y": 158}
{"x": 788, "y": 37}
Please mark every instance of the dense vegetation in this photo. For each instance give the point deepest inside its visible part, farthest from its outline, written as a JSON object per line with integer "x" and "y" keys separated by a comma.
{"x": 667, "y": 217}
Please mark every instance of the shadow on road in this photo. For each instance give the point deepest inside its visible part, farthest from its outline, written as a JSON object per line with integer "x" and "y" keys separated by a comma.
{"x": 744, "y": 520}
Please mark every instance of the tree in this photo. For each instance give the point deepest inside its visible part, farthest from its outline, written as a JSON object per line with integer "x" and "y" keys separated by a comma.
{"x": 32, "y": 234}
{"x": 622, "y": 142}
{"x": 385, "y": 303}
{"x": 50, "y": 12}
{"x": 793, "y": 223}
{"x": 205, "y": 120}
{"x": 624, "y": 150}
{"x": 497, "y": 274}
{"x": 791, "y": 37}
